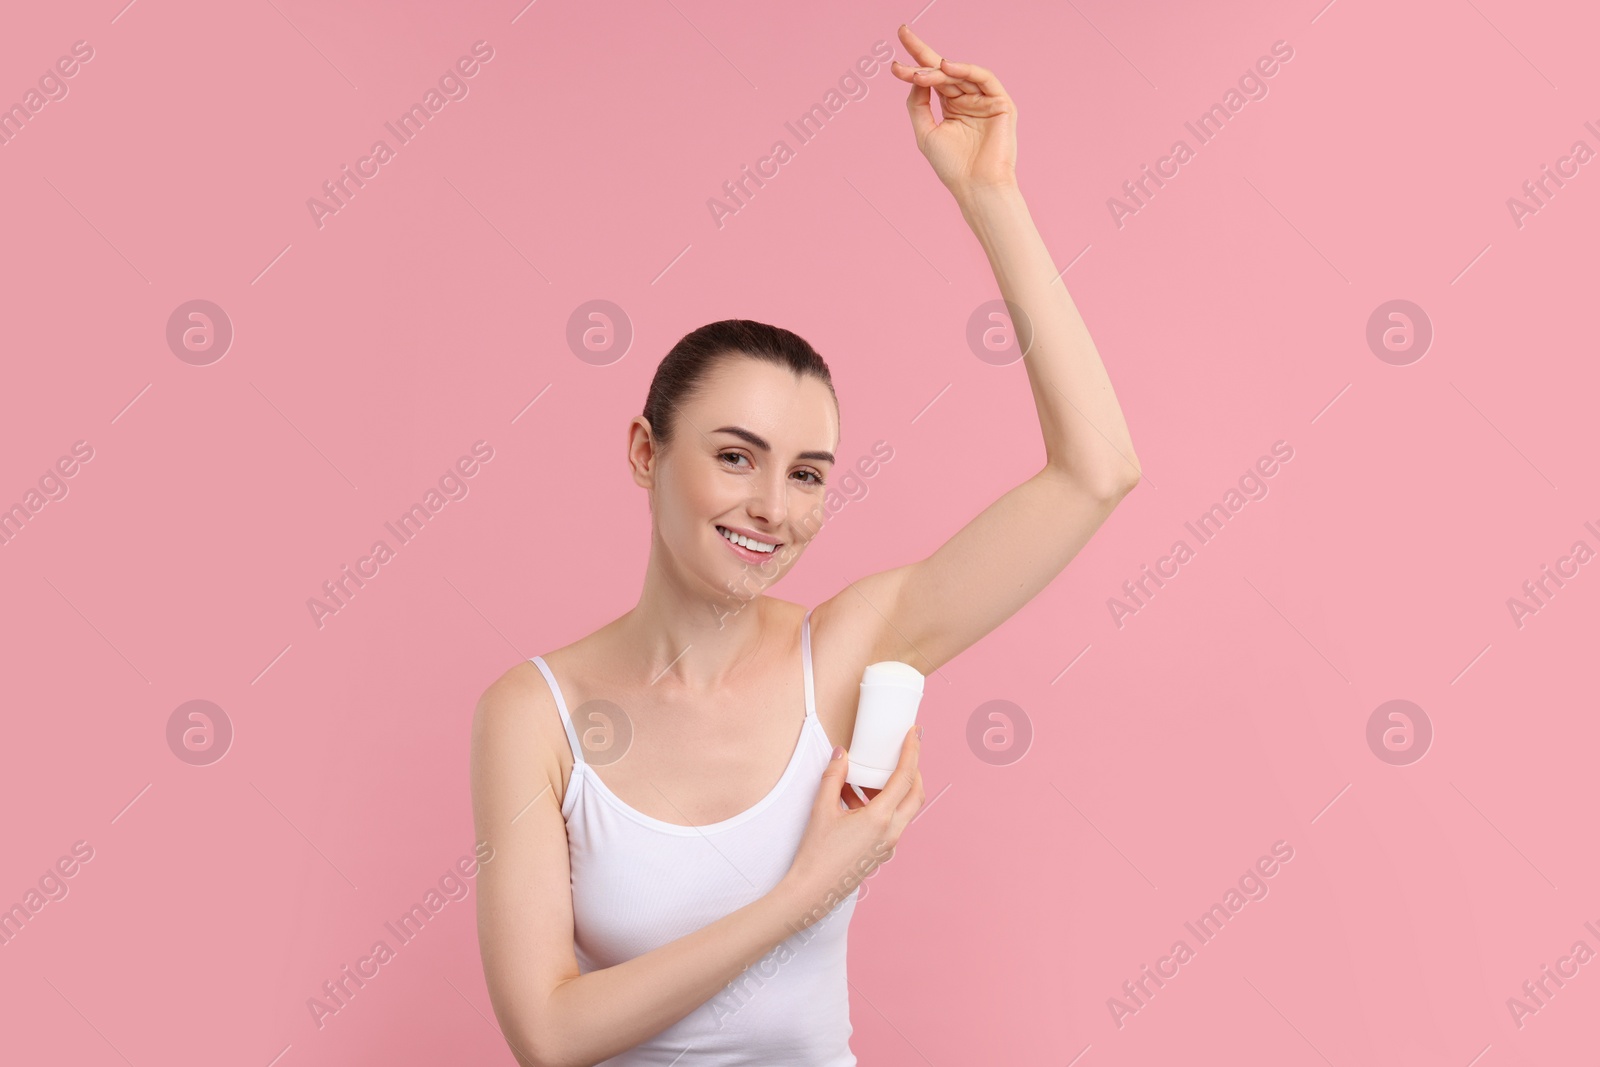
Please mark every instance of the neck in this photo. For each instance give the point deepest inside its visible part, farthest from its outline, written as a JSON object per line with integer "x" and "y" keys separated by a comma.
{"x": 689, "y": 638}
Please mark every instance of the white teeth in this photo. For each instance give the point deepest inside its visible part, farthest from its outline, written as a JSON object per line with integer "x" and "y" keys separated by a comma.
{"x": 741, "y": 539}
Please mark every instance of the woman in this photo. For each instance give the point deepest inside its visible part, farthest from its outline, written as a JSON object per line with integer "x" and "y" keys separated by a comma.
{"x": 688, "y": 904}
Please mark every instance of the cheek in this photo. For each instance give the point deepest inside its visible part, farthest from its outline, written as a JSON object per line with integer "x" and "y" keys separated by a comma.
{"x": 810, "y": 514}
{"x": 689, "y": 501}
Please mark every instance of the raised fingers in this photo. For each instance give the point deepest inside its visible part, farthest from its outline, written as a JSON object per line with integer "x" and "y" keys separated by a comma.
{"x": 921, "y": 111}
{"x": 981, "y": 78}
{"x": 918, "y": 47}
{"x": 933, "y": 78}
{"x": 930, "y": 59}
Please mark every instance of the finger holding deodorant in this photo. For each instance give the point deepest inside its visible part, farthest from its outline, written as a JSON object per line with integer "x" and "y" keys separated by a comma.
{"x": 856, "y": 796}
{"x": 903, "y": 792}
{"x": 844, "y": 842}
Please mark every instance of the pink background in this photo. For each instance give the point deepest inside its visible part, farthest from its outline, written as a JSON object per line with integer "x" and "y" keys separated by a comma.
{"x": 369, "y": 354}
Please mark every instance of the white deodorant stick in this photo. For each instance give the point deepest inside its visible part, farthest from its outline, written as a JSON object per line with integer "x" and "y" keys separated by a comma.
{"x": 890, "y": 693}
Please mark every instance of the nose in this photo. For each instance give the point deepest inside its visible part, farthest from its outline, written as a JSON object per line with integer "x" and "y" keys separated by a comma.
{"x": 770, "y": 505}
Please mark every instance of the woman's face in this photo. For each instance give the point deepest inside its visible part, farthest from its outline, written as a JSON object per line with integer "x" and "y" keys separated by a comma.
{"x": 750, "y": 454}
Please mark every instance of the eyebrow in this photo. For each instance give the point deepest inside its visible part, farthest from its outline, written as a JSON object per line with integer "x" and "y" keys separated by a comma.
{"x": 761, "y": 443}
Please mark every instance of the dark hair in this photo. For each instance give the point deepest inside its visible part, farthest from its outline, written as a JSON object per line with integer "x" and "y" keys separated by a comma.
{"x": 699, "y": 352}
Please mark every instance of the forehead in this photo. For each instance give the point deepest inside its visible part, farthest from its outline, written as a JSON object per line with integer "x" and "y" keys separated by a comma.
{"x": 790, "y": 410}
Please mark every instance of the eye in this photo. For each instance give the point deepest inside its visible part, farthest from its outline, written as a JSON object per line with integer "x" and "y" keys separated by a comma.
{"x": 815, "y": 478}
{"x": 735, "y": 455}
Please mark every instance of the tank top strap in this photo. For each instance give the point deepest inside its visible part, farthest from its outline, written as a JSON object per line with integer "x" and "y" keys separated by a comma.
{"x": 805, "y": 656}
{"x": 561, "y": 705}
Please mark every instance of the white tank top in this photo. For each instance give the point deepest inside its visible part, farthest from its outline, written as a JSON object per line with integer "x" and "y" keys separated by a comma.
{"x": 639, "y": 882}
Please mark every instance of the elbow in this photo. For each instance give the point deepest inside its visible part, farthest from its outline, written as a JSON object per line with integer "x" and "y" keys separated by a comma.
{"x": 1111, "y": 486}
{"x": 1122, "y": 486}
{"x": 533, "y": 1049}
{"x": 549, "y": 1044}
{"x": 536, "y": 1033}
{"x": 1106, "y": 487}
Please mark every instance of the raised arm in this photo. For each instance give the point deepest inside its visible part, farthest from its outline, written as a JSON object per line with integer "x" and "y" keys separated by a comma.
{"x": 927, "y": 612}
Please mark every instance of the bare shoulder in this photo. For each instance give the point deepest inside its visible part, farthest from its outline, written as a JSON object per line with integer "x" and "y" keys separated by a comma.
{"x": 525, "y": 925}
{"x": 514, "y": 727}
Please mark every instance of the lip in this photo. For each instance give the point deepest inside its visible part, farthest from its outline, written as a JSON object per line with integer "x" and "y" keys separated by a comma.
{"x": 748, "y": 555}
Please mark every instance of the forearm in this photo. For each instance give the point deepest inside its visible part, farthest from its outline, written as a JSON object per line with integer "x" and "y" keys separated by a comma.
{"x": 1085, "y": 434}
{"x": 604, "y": 1012}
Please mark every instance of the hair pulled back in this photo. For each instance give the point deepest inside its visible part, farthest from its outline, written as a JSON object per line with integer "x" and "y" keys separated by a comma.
{"x": 683, "y": 369}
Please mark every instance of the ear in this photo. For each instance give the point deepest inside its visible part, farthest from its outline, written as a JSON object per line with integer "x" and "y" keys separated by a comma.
{"x": 642, "y": 452}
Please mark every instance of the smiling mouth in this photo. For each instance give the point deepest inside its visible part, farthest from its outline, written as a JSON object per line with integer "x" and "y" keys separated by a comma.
{"x": 747, "y": 543}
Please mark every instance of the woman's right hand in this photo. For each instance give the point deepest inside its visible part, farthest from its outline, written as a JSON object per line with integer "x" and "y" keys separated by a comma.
{"x": 842, "y": 845}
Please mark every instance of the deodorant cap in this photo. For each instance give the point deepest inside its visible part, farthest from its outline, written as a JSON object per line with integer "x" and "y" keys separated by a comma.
{"x": 892, "y": 672}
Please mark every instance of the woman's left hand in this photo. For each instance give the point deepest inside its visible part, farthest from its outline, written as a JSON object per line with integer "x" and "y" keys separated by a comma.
{"x": 974, "y": 148}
